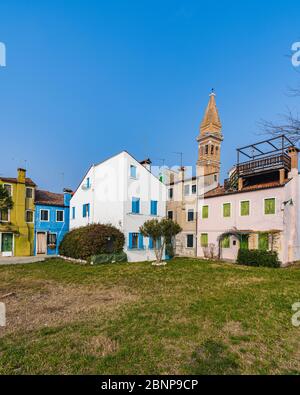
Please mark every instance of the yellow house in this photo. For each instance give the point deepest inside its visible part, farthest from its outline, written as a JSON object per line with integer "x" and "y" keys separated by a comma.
{"x": 17, "y": 225}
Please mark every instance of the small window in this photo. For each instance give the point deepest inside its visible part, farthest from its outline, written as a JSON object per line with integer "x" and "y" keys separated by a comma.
{"x": 190, "y": 215}
{"x": 194, "y": 189}
{"x": 263, "y": 241}
{"x": 132, "y": 171}
{"x": 270, "y": 206}
{"x": 135, "y": 205}
{"x": 86, "y": 210}
{"x": 225, "y": 242}
{"x": 215, "y": 178}
{"x": 133, "y": 240}
{"x": 206, "y": 149}
{"x": 29, "y": 216}
{"x": 245, "y": 208}
{"x": 205, "y": 212}
{"x": 59, "y": 216}
{"x": 153, "y": 208}
{"x": 171, "y": 193}
{"x": 4, "y": 215}
{"x": 88, "y": 183}
{"x": 170, "y": 214}
{"x": 8, "y": 187}
{"x": 52, "y": 238}
{"x": 204, "y": 239}
{"x": 212, "y": 149}
{"x": 190, "y": 241}
{"x": 226, "y": 210}
{"x": 186, "y": 190}
{"x": 29, "y": 193}
{"x": 73, "y": 212}
{"x": 44, "y": 215}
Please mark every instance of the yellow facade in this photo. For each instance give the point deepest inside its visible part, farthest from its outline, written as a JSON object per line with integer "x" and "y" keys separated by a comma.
{"x": 17, "y": 227}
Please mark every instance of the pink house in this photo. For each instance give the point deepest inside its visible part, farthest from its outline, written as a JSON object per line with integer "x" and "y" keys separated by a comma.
{"x": 258, "y": 206}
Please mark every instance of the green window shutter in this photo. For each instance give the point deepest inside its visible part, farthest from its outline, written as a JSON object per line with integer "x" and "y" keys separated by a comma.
{"x": 225, "y": 242}
{"x": 205, "y": 212}
{"x": 226, "y": 210}
{"x": 245, "y": 208}
{"x": 204, "y": 239}
{"x": 244, "y": 242}
{"x": 270, "y": 206}
{"x": 263, "y": 241}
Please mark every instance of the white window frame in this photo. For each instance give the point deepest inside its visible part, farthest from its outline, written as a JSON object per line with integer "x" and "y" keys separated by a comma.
{"x": 32, "y": 195}
{"x": 201, "y": 212}
{"x": 190, "y": 234}
{"x": 184, "y": 188}
{"x": 267, "y": 198}
{"x": 11, "y": 187}
{"x": 187, "y": 215}
{"x": 194, "y": 185}
{"x": 222, "y": 211}
{"x": 30, "y": 211}
{"x": 43, "y": 220}
{"x": 56, "y": 216}
{"x": 136, "y": 172}
{"x": 8, "y": 220}
{"x": 240, "y": 208}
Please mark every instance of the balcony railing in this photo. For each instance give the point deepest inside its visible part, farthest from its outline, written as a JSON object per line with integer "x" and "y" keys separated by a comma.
{"x": 267, "y": 163}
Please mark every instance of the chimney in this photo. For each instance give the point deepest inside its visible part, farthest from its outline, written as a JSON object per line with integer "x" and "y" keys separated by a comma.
{"x": 181, "y": 173}
{"x": 67, "y": 197}
{"x": 21, "y": 175}
{"x": 293, "y": 154}
{"x": 146, "y": 163}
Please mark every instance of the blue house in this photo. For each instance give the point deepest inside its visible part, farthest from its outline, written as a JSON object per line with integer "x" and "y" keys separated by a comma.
{"x": 52, "y": 215}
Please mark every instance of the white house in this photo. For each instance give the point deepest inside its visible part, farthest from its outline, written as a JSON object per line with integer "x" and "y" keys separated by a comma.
{"x": 123, "y": 192}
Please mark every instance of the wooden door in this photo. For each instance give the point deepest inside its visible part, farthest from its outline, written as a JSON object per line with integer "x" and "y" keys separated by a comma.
{"x": 41, "y": 243}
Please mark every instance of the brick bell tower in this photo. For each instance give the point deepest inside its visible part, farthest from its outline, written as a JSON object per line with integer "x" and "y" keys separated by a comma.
{"x": 209, "y": 140}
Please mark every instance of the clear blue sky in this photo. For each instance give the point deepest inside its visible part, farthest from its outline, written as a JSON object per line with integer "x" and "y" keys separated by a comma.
{"x": 87, "y": 79}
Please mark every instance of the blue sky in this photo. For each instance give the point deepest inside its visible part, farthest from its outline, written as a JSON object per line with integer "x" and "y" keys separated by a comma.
{"x": 87, "y": 79}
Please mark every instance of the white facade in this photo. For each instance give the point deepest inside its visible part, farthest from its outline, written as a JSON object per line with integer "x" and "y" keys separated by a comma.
{"x": 285, "y": 223}
{"x": 109, "y": 188}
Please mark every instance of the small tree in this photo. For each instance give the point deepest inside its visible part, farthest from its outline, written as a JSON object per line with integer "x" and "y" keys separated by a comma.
{"x": 160, "y": 232}
{"x": 6, "y": 202}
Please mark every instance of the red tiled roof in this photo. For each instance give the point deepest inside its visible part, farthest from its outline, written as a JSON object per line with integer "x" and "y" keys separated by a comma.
{"x": 221, "y": 191}
{"x": 28, "y": 181}
{"x": 49, "y": 198}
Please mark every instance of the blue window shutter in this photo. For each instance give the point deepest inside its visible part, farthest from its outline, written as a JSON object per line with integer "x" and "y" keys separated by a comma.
{"x": 152, "y": 207}
{"x": 137, "y": 206}
{"x": 155, "y": 207}
{"x": 150, "y": 243}
{"x": 130, "y": 241}
{"x": 141, "y": 241}
{"x": 133, "y": 206}
{"x": 88, "y": 209}
{"x": 88, "y": 182}
{"x": 84, "y": 210}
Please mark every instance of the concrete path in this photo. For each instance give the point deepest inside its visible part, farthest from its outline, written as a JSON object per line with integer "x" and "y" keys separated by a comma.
{"x": 15, "y": 260}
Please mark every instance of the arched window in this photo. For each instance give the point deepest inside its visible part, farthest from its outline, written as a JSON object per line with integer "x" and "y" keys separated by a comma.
{"x": 212, "y": 149}
{"x": 206, "y": 149}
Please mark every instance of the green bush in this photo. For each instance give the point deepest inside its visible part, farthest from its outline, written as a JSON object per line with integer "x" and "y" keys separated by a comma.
{"x": 108, "y": 258}
{"x": 82, "y": 243}
{"x": 258, "y": 258}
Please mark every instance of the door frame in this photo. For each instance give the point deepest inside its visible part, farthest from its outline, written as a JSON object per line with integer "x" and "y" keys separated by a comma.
{"x": 36, "y": 244}
{"x": 13, "y": 244}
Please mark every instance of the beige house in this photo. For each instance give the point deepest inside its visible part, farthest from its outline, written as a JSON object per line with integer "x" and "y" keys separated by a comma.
{"x": 184, "y": 190}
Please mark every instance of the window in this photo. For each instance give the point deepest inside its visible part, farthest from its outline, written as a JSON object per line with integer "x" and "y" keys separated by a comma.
{"x": 190, "y": 215}
{"x": 190, "y": 241}
{"x": 29, "y": 193}
{"x": 132, "y": 171}
{"x": 215, "y": 177}
{"x": 4, "y": 215}
{"x": 186, "y": 190}
{"x": 263, "y": 241}
{"x": 136, "y": 241}
{"x": 245, "y": 208}
{"x": 226, "y": 210}
{"x": 8, "y": 187}
{"x": 212, "y": 149}
{"x": 135, "y": 205}
{"x": 206, "y": 149}
{"x": 44, "y": 215}
{"x": 244, "y": 242}
{"x": 86, "y": 210}
{"x": 154, "y": 244}
{"x": 270, "y": 206}
{"x": 73, "y": 212}
{"x": 170, "y": 193}
{"x": 194, "y": 189}
{"x": 225, "y": 243}
{"x": 153, "y": 208}
{"x": 204, "y": 239}
{"x": 29, "y": 216}
{"x": 52, "y": 238}
{"x": 205, "y": 212}
{"x": 170, "y": 214}
{"x": 88, "y": 183}
{"x": 59, "y": 216}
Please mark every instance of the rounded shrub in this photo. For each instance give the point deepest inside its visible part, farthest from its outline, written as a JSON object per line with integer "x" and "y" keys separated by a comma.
{"x": 258, "y": 258}
{"x": 96, "y": 239}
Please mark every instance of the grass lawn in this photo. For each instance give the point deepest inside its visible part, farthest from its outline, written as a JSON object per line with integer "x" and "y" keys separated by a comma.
{"x": 190, "y": 317}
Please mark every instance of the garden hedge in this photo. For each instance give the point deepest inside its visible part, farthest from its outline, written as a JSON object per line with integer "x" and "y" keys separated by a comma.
{"x": 258, "y": 258}
{"x": 82, "y": 243}
{"x": 109, "y": 258}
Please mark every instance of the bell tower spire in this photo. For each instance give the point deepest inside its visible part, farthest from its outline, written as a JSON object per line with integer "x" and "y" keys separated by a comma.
{"x": 210, "y": 139}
